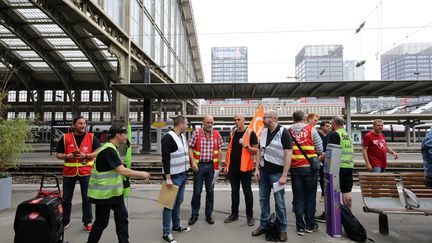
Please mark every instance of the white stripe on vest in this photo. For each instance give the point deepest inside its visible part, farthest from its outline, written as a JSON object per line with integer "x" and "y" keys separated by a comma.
{"x": 274, "y": 152}
{"x": 180, "y": 158}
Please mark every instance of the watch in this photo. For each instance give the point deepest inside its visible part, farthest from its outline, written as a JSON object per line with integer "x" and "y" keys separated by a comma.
{"x": 247, "y": 146}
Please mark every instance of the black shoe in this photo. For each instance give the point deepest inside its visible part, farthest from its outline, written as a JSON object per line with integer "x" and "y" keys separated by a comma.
{"x": 259, "y": 231}
{"x": 313, "y": 229}
{"x": 321, "y": 218}
{"x": 193, "y": 219}
{"x": 181, "y": 228}
{"x": 230, "y": 219}
{"x": 250, "y": 221}
{"x": 210, "y": 220}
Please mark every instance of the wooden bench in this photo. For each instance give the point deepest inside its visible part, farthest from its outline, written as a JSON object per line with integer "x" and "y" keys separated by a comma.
{"x": 415, "y": 183}
{"x": 380, "y": 195}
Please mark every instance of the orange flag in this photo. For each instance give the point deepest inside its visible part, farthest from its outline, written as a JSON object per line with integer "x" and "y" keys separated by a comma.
{"x": 257, "y": 123}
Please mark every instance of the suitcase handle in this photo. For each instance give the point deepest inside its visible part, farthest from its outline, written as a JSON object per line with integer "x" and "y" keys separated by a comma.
{"x": 49, "y": 176}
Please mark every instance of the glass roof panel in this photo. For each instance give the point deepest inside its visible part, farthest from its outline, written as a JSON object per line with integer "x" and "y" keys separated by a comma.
{"x": 33, "y": 15}
{"x": 61, "y": 42}
{"x": 72, "y": 55}
{"x": 20, "y": 3}
{"x": 14, "y": 43}
{"x": 27, "y": 54}
{"x": 38, "y": 65}
{"x": 3, "y": 30}
{"x": 49, "y": 30}
{"x": 77, "y": 65}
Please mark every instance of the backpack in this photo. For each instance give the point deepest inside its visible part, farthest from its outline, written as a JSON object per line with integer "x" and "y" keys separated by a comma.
{"x": 272, "y": 231}
{"x": 353, "y": 228}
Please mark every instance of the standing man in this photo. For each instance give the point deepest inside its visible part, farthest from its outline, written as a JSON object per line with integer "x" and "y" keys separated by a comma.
{"x": 272, "y": 165}
{"x": 239, "y": 165}
{"x": 175, "y": 161}
{"x": 303, "y": 177}
{"x": 325, "y": 128}
{"x": 205, "y": 149}
{"x": 339, "y": 136}
{"x": 106, "y": 186}
{"x": 78, "y": 150}
{"x": 375, "y": 148}
{"x": 426, "y": 150}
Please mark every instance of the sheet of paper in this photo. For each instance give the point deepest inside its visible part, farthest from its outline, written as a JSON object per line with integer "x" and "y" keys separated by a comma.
{"x": 215, "y": 176}
{"x": 167, "y": 196}
{"x": 277, "y": 187}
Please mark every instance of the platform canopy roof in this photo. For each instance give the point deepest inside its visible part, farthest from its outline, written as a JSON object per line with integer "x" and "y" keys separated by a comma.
{"x": 363, "y": 88}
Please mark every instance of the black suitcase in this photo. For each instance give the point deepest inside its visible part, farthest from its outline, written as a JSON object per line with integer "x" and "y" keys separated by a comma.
{"x": 39, "y": 220}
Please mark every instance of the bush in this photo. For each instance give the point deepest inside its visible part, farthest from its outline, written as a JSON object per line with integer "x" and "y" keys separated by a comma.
{"x": 13, "y": 136}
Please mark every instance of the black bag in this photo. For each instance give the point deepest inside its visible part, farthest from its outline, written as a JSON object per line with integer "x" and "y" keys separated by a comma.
{"x": 39, "y": 220}
{"x": 353, "y": 228}
{"x": 272, "y": 231}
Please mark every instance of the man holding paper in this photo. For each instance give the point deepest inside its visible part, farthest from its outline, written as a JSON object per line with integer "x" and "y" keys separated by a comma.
{"x": 205, "y": 151}
{"x": 272, "y": 166}
{"x": 239, "y": 165}
{"x": 175, "y": 161}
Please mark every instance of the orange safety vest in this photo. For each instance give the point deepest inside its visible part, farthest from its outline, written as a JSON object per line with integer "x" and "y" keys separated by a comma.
{"x": 197, "y": 149}
{"x": 74, "y": 166}
{"x": 247, "y": 160}
{"x": 304, "y": 139}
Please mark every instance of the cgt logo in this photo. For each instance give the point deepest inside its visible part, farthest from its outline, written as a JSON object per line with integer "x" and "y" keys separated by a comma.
{"x": 33, "y": 215}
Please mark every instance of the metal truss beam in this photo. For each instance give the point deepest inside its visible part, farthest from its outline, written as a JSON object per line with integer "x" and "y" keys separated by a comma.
{"x": 86, "y": 45}
{"x": 23, "y": 34}
{"x": 94, "y": 20}
{"x": 13, "y": 63}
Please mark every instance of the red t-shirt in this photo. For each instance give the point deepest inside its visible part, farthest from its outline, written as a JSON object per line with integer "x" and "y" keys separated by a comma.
{"x": 377, "y": 149}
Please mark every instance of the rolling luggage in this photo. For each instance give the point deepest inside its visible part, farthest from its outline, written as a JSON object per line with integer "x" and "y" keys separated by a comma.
{"x": 39, "y": 220}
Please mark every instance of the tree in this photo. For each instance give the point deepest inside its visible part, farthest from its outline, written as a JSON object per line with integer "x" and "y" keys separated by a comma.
{"x": 13, "y": 133}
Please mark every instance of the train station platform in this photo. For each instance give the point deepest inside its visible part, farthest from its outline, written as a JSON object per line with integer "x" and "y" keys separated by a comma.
{"x": 145, "y": 220}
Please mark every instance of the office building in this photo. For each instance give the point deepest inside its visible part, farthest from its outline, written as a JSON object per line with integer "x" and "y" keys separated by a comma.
{"x": 229, "y": 65}
{"x": 319, "y": 63}
{"x": 352, "y": 72}
{"x": 408, "y": 61}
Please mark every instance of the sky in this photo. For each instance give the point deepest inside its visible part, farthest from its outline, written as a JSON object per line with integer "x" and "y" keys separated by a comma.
{"x": 276, "y": 30}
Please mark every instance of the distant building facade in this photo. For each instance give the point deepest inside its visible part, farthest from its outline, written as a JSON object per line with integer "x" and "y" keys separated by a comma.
{"x": 229, "y": 65}
{"x": 408, "y": 61}
{"x": 319, "y": 62}
{"x": 351, "y": 72}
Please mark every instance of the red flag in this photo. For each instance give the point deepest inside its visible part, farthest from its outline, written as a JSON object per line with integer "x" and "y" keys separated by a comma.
{"x": 257, "y": 123}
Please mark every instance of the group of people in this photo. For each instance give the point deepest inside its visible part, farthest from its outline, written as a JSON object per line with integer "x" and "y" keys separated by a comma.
{"x": 270, "y": 157}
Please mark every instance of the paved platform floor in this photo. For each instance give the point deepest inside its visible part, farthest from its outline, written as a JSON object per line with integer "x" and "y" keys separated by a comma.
{"x": 145, "y": 220}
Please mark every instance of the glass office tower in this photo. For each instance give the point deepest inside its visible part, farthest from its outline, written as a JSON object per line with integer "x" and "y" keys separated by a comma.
{"x": 229, "y": 65}
{"x": 408, "y": 61}
{"x": 319, "y": 62}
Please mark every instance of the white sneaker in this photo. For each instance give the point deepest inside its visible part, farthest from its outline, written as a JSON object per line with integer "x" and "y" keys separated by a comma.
{"x": 168, "y": 239}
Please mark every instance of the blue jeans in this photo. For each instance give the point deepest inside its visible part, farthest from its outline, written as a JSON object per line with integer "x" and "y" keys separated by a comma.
{"x": 265, "y": 184}
{"x": 68, "y": 191}
{"x": 378, "y": 169}
{"x": 304, "y": 186}
{"x": 205, "y": 174}
{"x": 174, "y": 214}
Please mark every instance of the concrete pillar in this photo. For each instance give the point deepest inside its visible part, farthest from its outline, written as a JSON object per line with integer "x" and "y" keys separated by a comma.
{"x": 407, "y": 132}
{"x": 147, "y": 116}
{"x": 348, "y": 114}
{"x": 159, "y": 130}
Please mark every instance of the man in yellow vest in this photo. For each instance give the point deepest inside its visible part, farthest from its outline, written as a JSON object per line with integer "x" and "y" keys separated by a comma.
{"x": 106, "y": 186}
{"x": 340, "y": 137}
{"x": 78, "y": 150}
{"x": 239, "y": 161}
{"x": 205, "y": 149}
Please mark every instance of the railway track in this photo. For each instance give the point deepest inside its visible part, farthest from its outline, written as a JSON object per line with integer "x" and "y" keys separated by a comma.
{"x": 31, "y": 172}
